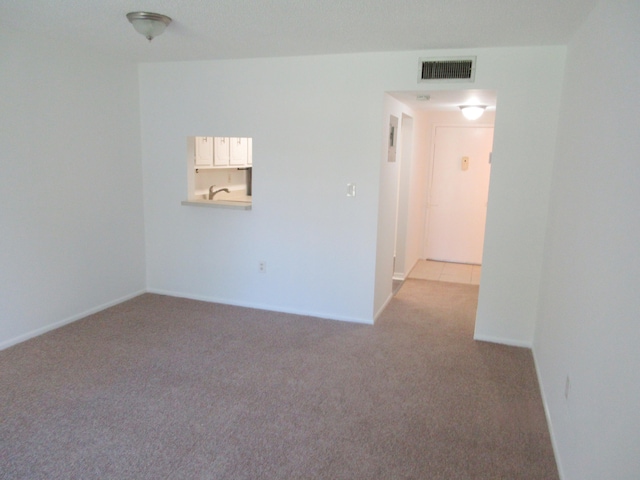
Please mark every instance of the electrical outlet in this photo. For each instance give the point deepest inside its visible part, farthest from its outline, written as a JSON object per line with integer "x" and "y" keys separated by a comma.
{"x": 567, "y": 388}
{"x": 262, "y": 267}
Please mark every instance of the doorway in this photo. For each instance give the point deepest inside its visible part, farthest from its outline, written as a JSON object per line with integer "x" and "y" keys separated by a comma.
{"x": 412, "y": 177}
{"x": 401, "y": 241}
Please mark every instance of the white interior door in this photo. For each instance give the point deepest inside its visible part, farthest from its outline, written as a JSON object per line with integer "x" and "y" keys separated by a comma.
{"x": 458, "y": 194}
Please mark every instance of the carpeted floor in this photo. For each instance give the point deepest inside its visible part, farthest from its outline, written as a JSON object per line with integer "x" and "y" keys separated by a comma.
{"x": 168, "y": 388}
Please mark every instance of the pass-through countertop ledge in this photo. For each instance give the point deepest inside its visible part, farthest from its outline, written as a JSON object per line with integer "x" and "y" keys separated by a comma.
{"x": 217, "y": 204}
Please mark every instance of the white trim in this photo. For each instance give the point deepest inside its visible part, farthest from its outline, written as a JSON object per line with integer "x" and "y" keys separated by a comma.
{"x": 259, "y": 306}
{"x": 547, "y": 414}
{"x": 384, "y": 305}
{"x": 61, "y": 323}
{"x": 503, "y": 341}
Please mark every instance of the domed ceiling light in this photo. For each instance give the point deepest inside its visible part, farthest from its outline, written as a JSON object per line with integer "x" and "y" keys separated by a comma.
{"x": 472, "y": 112}
{"x": 148, "y": 24}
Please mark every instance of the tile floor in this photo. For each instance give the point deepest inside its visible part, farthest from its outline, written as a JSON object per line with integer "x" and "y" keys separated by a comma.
{"x": 446, "y": 272}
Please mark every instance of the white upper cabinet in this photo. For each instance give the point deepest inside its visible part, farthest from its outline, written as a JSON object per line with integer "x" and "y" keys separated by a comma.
{"x": 238, "y": 155}
{"x": 221, "y": 151}
{"x": 203, "y": 152}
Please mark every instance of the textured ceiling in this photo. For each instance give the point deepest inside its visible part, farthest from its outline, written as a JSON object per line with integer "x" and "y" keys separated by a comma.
{"x": 268, "y": 28}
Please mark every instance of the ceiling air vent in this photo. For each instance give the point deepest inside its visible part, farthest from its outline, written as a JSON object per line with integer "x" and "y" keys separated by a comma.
{"x": 449, "y": 69}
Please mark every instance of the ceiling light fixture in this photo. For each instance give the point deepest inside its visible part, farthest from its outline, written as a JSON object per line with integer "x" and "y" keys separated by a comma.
{"x": 472, "y": 112}
{"x": 148, "y": 24}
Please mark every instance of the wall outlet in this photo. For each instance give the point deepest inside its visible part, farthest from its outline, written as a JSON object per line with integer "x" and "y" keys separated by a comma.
{"x": 262, "y": 267}
{"x": 567, "y": 387}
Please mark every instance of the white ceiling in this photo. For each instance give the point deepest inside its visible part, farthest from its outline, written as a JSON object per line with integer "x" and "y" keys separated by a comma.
{"x": 214, "y": 29}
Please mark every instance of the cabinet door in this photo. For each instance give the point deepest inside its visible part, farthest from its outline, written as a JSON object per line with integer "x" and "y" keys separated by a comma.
{"x": 203, "y": 152}
{"x": 249, "y": 151}
{"x": 221, "y": 151}
{"x": 238, "y": 151}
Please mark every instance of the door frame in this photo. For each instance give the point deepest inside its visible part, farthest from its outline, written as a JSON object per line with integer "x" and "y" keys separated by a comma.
{"x": 405, "y": 141}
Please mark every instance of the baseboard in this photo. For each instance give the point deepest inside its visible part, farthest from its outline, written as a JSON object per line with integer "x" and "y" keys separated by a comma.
{"x": 259, "y": 306}
{"x": 503, "y": 341}
{"x": 381, "y": 309}
{"x": 547, "y": 414}
{"x": 66, "y": 321}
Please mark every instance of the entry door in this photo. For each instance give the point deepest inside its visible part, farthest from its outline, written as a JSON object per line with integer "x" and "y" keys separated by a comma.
{"x": 458, "y": 194}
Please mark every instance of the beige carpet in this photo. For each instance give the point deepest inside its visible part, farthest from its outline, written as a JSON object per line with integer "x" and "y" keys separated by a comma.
{"x": 166, "y": 388}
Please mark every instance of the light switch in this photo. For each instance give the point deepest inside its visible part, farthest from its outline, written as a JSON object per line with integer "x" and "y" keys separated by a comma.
{"x": 465, "y": 163}
{"x": 351, "y": 189}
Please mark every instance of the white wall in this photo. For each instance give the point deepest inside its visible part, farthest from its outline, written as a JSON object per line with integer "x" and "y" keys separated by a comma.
{"x": 308, "y": 144}
{"x": 70, "y": 189}
{"x": 589, "y": 324}
{"x": 528, "y": 85}
{"x": 317, "y": 124}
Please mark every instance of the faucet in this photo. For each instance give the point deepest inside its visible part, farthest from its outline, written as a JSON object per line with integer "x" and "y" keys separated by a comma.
{"x": 212, "y": 192}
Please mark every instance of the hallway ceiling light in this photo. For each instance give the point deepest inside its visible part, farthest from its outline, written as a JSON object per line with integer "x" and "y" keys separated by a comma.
{"x": 148, "y": 24}
{"x": 472, "y": 112}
